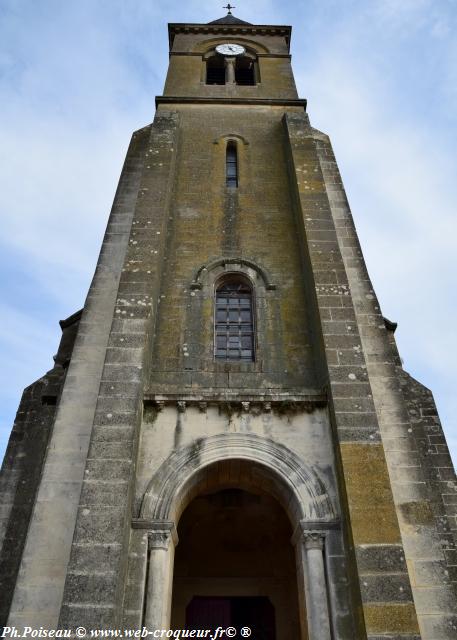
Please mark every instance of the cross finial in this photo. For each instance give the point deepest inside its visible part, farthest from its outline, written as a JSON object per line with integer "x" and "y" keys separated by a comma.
{"x": 229, "y": 9}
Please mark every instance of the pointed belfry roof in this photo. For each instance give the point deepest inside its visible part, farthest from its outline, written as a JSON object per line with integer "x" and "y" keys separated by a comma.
{"x": 229, "y": 19}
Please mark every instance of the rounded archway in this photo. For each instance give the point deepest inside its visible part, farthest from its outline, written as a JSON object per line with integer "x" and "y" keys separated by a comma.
{"x": 196, "y": 483}
{"x": 235, "y": 563}
{"x": 280, "y": 472}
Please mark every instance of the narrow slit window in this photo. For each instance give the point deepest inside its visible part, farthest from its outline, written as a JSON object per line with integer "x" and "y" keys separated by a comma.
{"x": 234, "y": 326}
{"x": 231, "y": 165}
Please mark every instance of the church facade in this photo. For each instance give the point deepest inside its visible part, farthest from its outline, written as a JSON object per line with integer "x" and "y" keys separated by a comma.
{"x": 227, "y": 437}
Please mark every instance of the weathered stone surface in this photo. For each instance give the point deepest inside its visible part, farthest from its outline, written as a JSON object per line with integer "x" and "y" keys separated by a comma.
{"x": 324, "y": 421}
{"x": 23, "y": 462}
{"x": 379, "y": 558}
{"x": 407, "y": 418}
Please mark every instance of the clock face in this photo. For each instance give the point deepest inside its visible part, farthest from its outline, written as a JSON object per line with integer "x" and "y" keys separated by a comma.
{"x": 230, "y": 49}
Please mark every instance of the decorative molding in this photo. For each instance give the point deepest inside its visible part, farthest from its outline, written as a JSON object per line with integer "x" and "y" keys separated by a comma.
{"x": 314, "y": 539}
{"x": 313, "y": 533}
{"x": 252, "y": 55}
{"x": 160, "y": 532}
{"x": 239, "y": 402}
{"x": 232, "y": 262}
{"x": 229, "y": 29}
{"x": 272, "y": 102}
{"x": 298, "y": 486}
{"x": 231, "y": 136}
{"x": 199, "y": 54}
{"x": 208, "y": 44}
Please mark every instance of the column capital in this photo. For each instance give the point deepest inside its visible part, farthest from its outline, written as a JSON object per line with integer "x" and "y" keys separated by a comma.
{"x": 313, "y": 539}
{"x": 161, "y": 534}
{"x": 311, "y": 536}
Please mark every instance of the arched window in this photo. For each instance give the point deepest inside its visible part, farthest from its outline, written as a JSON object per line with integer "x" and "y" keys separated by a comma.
{"x": 231, "y": 165}
{"x": 245, "y": 71}
{"x": 215, "y": 70}
{"x": 234, "y": 324}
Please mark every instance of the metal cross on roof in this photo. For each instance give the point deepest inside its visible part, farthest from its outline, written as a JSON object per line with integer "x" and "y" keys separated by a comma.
{"x": 229, "y": 7}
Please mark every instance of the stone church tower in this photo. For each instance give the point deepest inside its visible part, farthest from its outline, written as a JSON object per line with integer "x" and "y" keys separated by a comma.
{"x": 227, "y": 437}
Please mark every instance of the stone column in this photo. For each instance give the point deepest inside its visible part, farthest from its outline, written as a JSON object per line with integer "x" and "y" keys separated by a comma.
{"x": 312, "y": 584}
{"x": 162, "y": 540}
{"x": 230, "y": 70}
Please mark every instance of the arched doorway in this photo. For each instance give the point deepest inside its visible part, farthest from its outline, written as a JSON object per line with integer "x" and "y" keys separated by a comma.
{"x": 235, "y": 565}
{"x": 253, "y": 468}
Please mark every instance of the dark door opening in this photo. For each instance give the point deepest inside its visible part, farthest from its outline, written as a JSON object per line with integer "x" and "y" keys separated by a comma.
{"x": 256, "y": 613}
{"x": 235, "y": 565}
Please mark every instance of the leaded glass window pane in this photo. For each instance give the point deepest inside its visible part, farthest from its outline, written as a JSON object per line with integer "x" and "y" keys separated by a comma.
{"x": 234, "y": 328}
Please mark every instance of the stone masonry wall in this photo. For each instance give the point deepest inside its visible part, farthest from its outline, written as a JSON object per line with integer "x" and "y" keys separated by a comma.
{"x": 187, "y": 71}
{"x": 211, "y": 223}
{"x": 372, "y": 525}
{"x": 94, "y": 586}
{"x": 39, "y": 587}
{"x": 20, "y": 477}
{"x": 174, "y": 428}
{"x": 420, "y": 469}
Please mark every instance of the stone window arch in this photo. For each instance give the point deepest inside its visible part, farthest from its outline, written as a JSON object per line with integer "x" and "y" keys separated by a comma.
{"x": 201, "y": 312}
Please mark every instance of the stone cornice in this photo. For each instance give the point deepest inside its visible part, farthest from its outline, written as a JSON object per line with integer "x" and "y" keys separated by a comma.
{"x": 237, "y": 29}
{"x": 75, "y": 317}
{"x": 199, "y": 54}
{"x": 238, "y": 401}
{"x": 273, "y": 102}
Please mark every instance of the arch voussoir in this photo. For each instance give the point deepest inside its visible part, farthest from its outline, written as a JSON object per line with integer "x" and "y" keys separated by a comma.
{"x": 244, "y": 460}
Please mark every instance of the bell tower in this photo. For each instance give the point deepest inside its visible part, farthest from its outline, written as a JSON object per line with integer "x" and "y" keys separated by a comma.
{"x": 233, "y": 441}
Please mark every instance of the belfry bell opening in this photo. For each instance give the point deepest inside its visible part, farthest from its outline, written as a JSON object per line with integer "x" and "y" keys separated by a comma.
{"x": 235, "y": 566}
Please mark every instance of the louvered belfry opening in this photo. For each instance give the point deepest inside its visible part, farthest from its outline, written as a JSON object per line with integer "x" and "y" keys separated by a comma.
{"x": 234, "y": 326}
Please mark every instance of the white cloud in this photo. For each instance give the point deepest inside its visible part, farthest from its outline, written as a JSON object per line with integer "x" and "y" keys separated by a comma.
{"x": 399, "y": 169}
{"x": 381, "y": 78}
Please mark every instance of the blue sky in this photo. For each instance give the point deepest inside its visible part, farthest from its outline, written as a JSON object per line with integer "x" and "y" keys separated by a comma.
{"x": 77, "y": 77}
